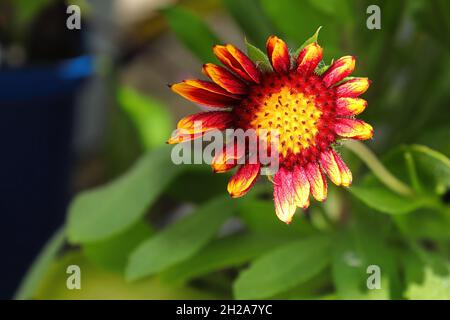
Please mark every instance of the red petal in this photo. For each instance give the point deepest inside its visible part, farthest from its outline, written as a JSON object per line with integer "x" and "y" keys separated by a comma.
{"x": 227, "y": 158}
{"x": 340, "y": 69}
{"x": 238, "y": 62}
{"x": 309, "y": 58}
{"x": 353, "y": 128}
{"x": 179, "y": 137}
{"x": 350, "y": 106}
{"x": 242, "y": 181}
{"x": 317, "y": 182}
{"x": 278, "y": 54}
{"x": 301, "y": 186}
{"x": 284, "y": 195}
{"x": 353, "y": 87}
{"x": 330, "y": 166}
{"x": 346, "y": 174}
{"x": 205, "y": 121}
{"x": 195, "y": 125}
{"x": 204, "y": 92}
{"x": 225, "y": 79}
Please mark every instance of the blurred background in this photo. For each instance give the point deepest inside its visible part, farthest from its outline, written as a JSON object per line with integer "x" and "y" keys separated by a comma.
{"x": 79, "y": 107}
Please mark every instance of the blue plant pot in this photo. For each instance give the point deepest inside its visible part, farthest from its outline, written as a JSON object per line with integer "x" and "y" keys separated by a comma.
{"x": 36, "y": 117}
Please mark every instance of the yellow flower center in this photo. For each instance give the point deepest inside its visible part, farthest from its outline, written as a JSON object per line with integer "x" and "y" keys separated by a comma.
{"x": 293, "y": 116}
{"x": 299, "y": 110}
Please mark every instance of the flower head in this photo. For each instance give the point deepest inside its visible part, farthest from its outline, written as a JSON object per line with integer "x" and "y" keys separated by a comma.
{"x": 307, "y": 110}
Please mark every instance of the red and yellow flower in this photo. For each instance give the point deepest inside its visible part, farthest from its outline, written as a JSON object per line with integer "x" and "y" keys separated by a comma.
{"x": 310, "y": 111}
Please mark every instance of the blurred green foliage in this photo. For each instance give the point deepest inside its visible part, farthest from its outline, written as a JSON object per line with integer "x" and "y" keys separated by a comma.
{"x": 151, "y": 118}
{"x": 325, "y": 252}
{"x": 18, "y": 15}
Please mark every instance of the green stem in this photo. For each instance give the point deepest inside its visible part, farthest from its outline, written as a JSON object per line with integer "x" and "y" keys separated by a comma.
{"x": 411, "y": 166}
{"x": 378, "y": 169}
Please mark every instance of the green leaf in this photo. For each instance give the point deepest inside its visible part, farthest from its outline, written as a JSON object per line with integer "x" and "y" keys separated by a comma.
{"x": 224, "y": 253}
{"x": 192, "y": 32}
{"x": 419, "y": 260}
{"x": 415, "y": 163}
{"x": 313, "y": 289}
{"x": 384, "y": 200}
{"x": 283, "y": 268}
{"x": 428, "y": 171}
{"x": 195, "y": 180}
{"x": 433, "y": 166}
{"x": 433, "y": 287}
{"x": 122, "y": 144}
{"x": 313, "y": 39}
{"x": 249, "y": 15}
{"x": 112, "y": 254}
{"x": 356, "y": 250}
{"x": 40, "y": 266}
{"x": 151, "y": 118}
{"x": 259, "y": 217}
{"x": 321, "y": 68}
{"x": 107, "y": 211}
{"x": 425, "y": 223}
{"x": 347, "y": 269}
{"x": 180, "y": 240}
{"x": 97, "y": 283}
{"x": 258, "y": 57}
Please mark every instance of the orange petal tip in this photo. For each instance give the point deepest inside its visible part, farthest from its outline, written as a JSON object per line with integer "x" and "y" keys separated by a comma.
{"x": 243, "y": 180}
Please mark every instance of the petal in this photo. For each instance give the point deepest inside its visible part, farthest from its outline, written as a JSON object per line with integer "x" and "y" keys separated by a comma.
{"x": 329, "y": 165}
{"x": 284, "y": 195}
{"x": 317, "y": 182}
{"x": 242, "y": 181}
{"x": 225, "y": 78}
{"x": 278, "y": 54}
{"x": 227, "y": 158}
{"x": 204, "y": 92}
{"x": 238, "y": 62}
{"x": 350, "y": 106}
{"x": 309, "y": 58}
{"x": 205, "y": 121}
{"x": 353, "y": 128}
{"x": 340, "y": 69}
{"x": 301, "y": 186}
{"x": 179, "y": 137}
{"x": 346, "y": 174}
{"x": 353, "y": 87}
{"x": 193, "y": 126}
